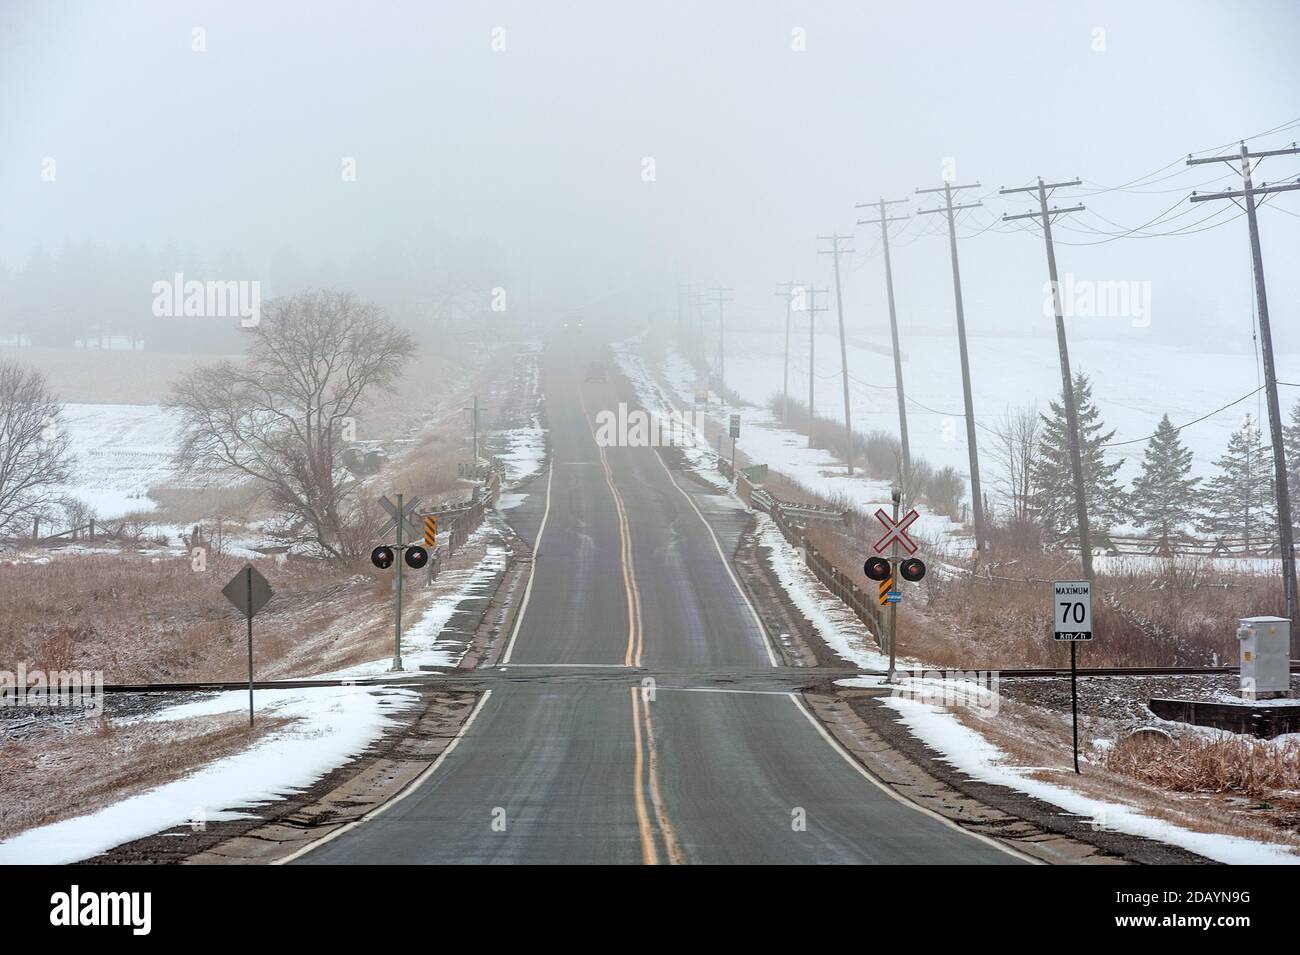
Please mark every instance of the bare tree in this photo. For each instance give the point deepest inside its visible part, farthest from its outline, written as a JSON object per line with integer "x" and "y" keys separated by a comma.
{"x": 1014, "y": 451}
{"x": 276, "y": 417}
{"x": 34, "y": 453}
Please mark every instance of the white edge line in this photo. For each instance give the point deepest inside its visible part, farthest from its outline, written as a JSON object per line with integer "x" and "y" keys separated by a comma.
{"x": 726, "y": 563}
{"x": 411, "y": 787}
{"x": 532, "y": 570}
{"x": 825, "y": 734}
{"x": 925, "y": 810}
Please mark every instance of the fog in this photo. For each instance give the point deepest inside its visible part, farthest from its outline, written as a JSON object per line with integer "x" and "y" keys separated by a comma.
{"x": 592, "y": 157}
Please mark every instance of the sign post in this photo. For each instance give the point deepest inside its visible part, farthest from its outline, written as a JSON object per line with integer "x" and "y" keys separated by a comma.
{"x": 1072, "y": 621}
{"x": 249, "y": 592}
{"x": 895, "y": 537}
{"x": 735, "y": 433}
{"x": 401, "y": 517}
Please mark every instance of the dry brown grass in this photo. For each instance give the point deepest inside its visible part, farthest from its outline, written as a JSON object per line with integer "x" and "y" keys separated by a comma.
{"x": 1176, "y": 615}
{"x": 67, "y": 773}
{"x": 144, "y": 619}
{"x": 1194, "y": 764}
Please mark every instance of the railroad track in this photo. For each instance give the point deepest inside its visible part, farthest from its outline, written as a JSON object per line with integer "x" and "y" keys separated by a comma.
{"x": 770, "y": 676}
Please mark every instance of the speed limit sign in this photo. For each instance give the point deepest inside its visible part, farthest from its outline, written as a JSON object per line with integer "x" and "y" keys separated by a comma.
{"x": 1072, "y": 609}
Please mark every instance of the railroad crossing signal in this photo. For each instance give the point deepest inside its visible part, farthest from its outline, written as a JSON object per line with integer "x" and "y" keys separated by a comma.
{"x": 382, "y": 557}
{"x": 430, "y": 530}
{"x": 877, "y": 568}
{"x": 896, "y": 531}
{"x": 414, "y": 525}
{"x": 912, "y": 570}
{"x": 415, "y": 556}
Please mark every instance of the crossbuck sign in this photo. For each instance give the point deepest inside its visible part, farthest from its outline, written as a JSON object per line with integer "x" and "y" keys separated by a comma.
{"x": 896, "y": 532}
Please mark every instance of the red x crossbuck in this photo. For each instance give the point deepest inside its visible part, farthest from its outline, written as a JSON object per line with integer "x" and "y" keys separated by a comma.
{"x": 896, "y": 532}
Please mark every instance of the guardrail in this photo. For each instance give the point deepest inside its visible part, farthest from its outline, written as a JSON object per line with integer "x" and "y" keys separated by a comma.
{"x": 789, "y": 519}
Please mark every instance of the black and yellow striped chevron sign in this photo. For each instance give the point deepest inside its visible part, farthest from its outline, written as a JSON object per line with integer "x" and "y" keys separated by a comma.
{"x": 430, "y": 530}
{"x": 886, "y": 586}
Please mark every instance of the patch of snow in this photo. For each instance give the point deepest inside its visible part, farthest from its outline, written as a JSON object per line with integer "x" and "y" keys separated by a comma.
{"x": 524, "y": 451}
{"x": 121, "y": 451}
{"x": 329, "y": 726}
{"x": 968, "y": 751}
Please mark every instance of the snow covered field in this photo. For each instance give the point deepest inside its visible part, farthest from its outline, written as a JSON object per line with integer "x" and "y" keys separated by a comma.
{"x": 121, "y": 451}
{"x": 1133, "y": 385}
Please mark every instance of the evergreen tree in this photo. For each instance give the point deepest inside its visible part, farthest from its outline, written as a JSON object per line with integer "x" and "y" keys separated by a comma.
{"x": 1054, "y": 476}
{"x": 1291, "y": 445}
{"x": 1164, "y": 496}
{"x": 1240, "y": 498}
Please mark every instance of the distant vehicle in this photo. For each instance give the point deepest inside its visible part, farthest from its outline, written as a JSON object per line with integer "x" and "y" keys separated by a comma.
{"x": 596, "y": 371}
{"x": 571, "y": 326}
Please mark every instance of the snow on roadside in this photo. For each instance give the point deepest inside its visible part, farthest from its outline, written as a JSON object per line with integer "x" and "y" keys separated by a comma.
{"x": 328, "y": 726}
{"x": 839, "y": 627}
{"x": 693, "y": 442}
{"x": 421, "y": 643}
{"x": 966, "y": 750}
{"x": 523, "y": 453}
{"x": 763, "y": 440}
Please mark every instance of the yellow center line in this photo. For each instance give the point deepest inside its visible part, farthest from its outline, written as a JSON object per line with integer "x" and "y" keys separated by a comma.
{"x": 632, "y": 657}
{"x": 646, "y": 758}
{"x": 675, "y": 855}
{"x": 649, "y": 854}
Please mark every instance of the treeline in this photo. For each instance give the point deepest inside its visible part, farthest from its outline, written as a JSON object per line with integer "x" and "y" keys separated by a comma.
{"x": 91, "y": 295}
{"x": 1033, "y": 479}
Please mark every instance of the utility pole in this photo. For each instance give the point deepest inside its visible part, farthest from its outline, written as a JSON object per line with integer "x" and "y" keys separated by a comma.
{"x": 397, "y": 616}
{"x": 1045, "y": 215}
{"x": 905, "y": 479}
{"x": 473, "y": 410}
{"x": 976, "y": 495}
{"x": 836, "y": 251}
{"x": 812, "y": 352}
{"x": 720, "y": 296}
{"x": 971, "y": 446}
{"x": 788, "y": 294}
{"x": 1249, "y": 191}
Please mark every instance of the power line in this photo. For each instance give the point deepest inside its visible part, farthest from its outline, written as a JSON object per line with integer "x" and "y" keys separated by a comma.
{"x": 1237, "y": 401}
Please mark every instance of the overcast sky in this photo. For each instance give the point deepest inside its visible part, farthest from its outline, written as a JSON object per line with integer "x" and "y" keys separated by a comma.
{"x": 534, "y": 156}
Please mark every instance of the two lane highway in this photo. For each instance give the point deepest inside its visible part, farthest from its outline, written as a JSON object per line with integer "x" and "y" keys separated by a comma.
{"x": 629, "y": 573}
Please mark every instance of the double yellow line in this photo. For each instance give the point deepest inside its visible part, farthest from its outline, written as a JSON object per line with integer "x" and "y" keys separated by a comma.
{"x": 645, "y": 764}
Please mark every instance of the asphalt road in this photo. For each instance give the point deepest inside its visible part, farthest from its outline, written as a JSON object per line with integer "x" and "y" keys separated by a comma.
{"x": 629, "y": 574}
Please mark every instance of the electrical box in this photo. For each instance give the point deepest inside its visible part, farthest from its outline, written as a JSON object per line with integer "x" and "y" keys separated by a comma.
{"x": 1265, "y": 657}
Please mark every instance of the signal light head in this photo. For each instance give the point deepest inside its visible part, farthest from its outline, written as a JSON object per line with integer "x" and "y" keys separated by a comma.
{"x": 876, "y": 568}
{"x": 382, "y": 557}
{"x": 912, "y": 569}
{"x": 416, "y": 557}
